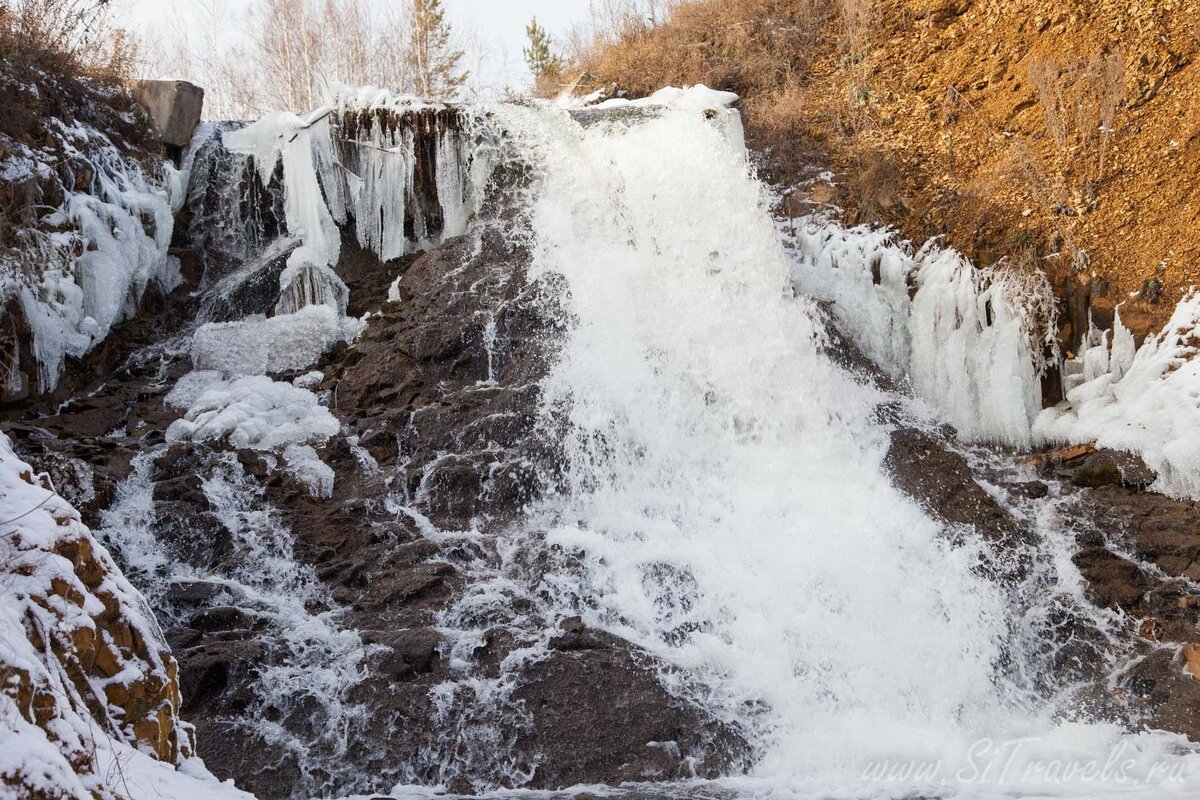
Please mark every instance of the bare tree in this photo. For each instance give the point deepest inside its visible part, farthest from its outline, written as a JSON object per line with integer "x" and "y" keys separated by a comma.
{"x": 294, "y": 48}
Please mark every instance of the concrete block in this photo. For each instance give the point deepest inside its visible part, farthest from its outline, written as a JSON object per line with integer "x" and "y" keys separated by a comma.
{"x": 174, "y": 108}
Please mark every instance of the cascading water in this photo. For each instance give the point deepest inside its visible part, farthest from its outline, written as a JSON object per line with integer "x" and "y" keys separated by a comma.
{"x": 724, "y": 505}
{"x": 716, "y": 493}
{"x": 319, "y": 661}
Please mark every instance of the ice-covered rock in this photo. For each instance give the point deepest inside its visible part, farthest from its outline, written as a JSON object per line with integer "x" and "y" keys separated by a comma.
{"x": 406, "y": 174}
{"x": 261, "y": 414}
{"x": 91, "y": 274}
{"x": 1146, "y": 402}
{"x": 259, "y": 345}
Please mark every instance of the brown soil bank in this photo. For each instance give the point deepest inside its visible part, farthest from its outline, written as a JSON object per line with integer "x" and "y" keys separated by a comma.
{"x": 1059, "y": 132}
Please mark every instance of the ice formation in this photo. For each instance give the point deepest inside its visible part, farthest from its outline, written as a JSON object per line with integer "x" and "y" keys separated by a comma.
{"x": 970, "y": 341}
{"x": 306, "y": 281}
{"x": 259, "y": 413}
{"x": 1147, "y": 401}
{"x": 974, "y": 342}
{"x": 259, "y": 345}
{"x": 111, "y": 243}
{"x": 407, "y": 173}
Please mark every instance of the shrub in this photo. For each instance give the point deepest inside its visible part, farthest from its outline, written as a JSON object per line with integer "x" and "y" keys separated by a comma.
{"x": 66, "y": 38}
{"x": 1079, "y": 101}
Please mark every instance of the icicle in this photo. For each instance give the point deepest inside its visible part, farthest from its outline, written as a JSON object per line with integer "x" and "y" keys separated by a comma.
{"x": 307, "y": 282}
{"x": 450, "y": 189}
{"x": 1124, "y": 348}
{"x": 1143, "y": 401}
{"x": 290, "y": 138}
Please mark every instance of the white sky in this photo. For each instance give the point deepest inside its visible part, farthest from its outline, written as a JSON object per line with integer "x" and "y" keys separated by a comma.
{"x": 499, "y": 26}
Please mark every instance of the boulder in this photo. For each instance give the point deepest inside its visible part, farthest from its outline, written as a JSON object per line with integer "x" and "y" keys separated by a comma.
{"x": 174, "y": 108}
{"x": 1113, "y": 468}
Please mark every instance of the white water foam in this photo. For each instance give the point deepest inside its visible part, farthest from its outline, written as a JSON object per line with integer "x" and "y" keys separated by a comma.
{"x": 725, "y": 496}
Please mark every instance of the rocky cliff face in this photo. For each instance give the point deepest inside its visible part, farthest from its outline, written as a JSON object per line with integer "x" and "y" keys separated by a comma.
{"x": 82, "y": 655}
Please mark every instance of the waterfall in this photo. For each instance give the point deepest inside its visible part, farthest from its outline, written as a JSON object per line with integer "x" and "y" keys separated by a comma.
{"x": 713, "y": 487}
{"x": 724, "y": 504}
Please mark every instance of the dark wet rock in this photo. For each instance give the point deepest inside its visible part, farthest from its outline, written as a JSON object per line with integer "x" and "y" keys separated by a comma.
{"x": 409, "y": 652}
{"x": 262, "y": 766}
{"x": 1153, "y": 528}
{"x": 1113, "y": 581}
{"x": 221, "y": 618}
{"x": 575, "y": 636}
{"x": 598, "y": 711}
{"x": 217, "y": 674}
{"x": 445, "y": 380}
{"x": 1165, "y": 692}
{"x": 1139, "y": 553}
{"x": 1112, "y": 468}
{"x": 1030, "y": 490}
{"x": 181, "y": 638}
{"x": 939, "y": 478}
{"x": 199, "y": 593}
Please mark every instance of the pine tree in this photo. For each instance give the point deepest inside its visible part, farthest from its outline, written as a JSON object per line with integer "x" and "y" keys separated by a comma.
{"x": 432, "y": 61}
{"x": 539, "y": 55}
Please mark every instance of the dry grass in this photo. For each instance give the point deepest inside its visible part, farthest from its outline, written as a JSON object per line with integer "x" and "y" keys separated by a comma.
{"x": 64, "y": 59}
{"x": 760, "y": 49}
{"x": 66, "y": 38}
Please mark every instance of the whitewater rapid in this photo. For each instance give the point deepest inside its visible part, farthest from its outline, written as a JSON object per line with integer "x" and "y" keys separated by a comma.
{"x": 719, "y": 496}
{"x": 725, "y": 503}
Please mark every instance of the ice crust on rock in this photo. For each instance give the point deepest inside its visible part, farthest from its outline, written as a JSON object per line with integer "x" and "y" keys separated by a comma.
{"x": 258, "y": 345}
{"x": 973, "y": 342}
{"x": 258, "y": 413}
{"x": 1145, "y": 401}
{"x": 378, "y": 184}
